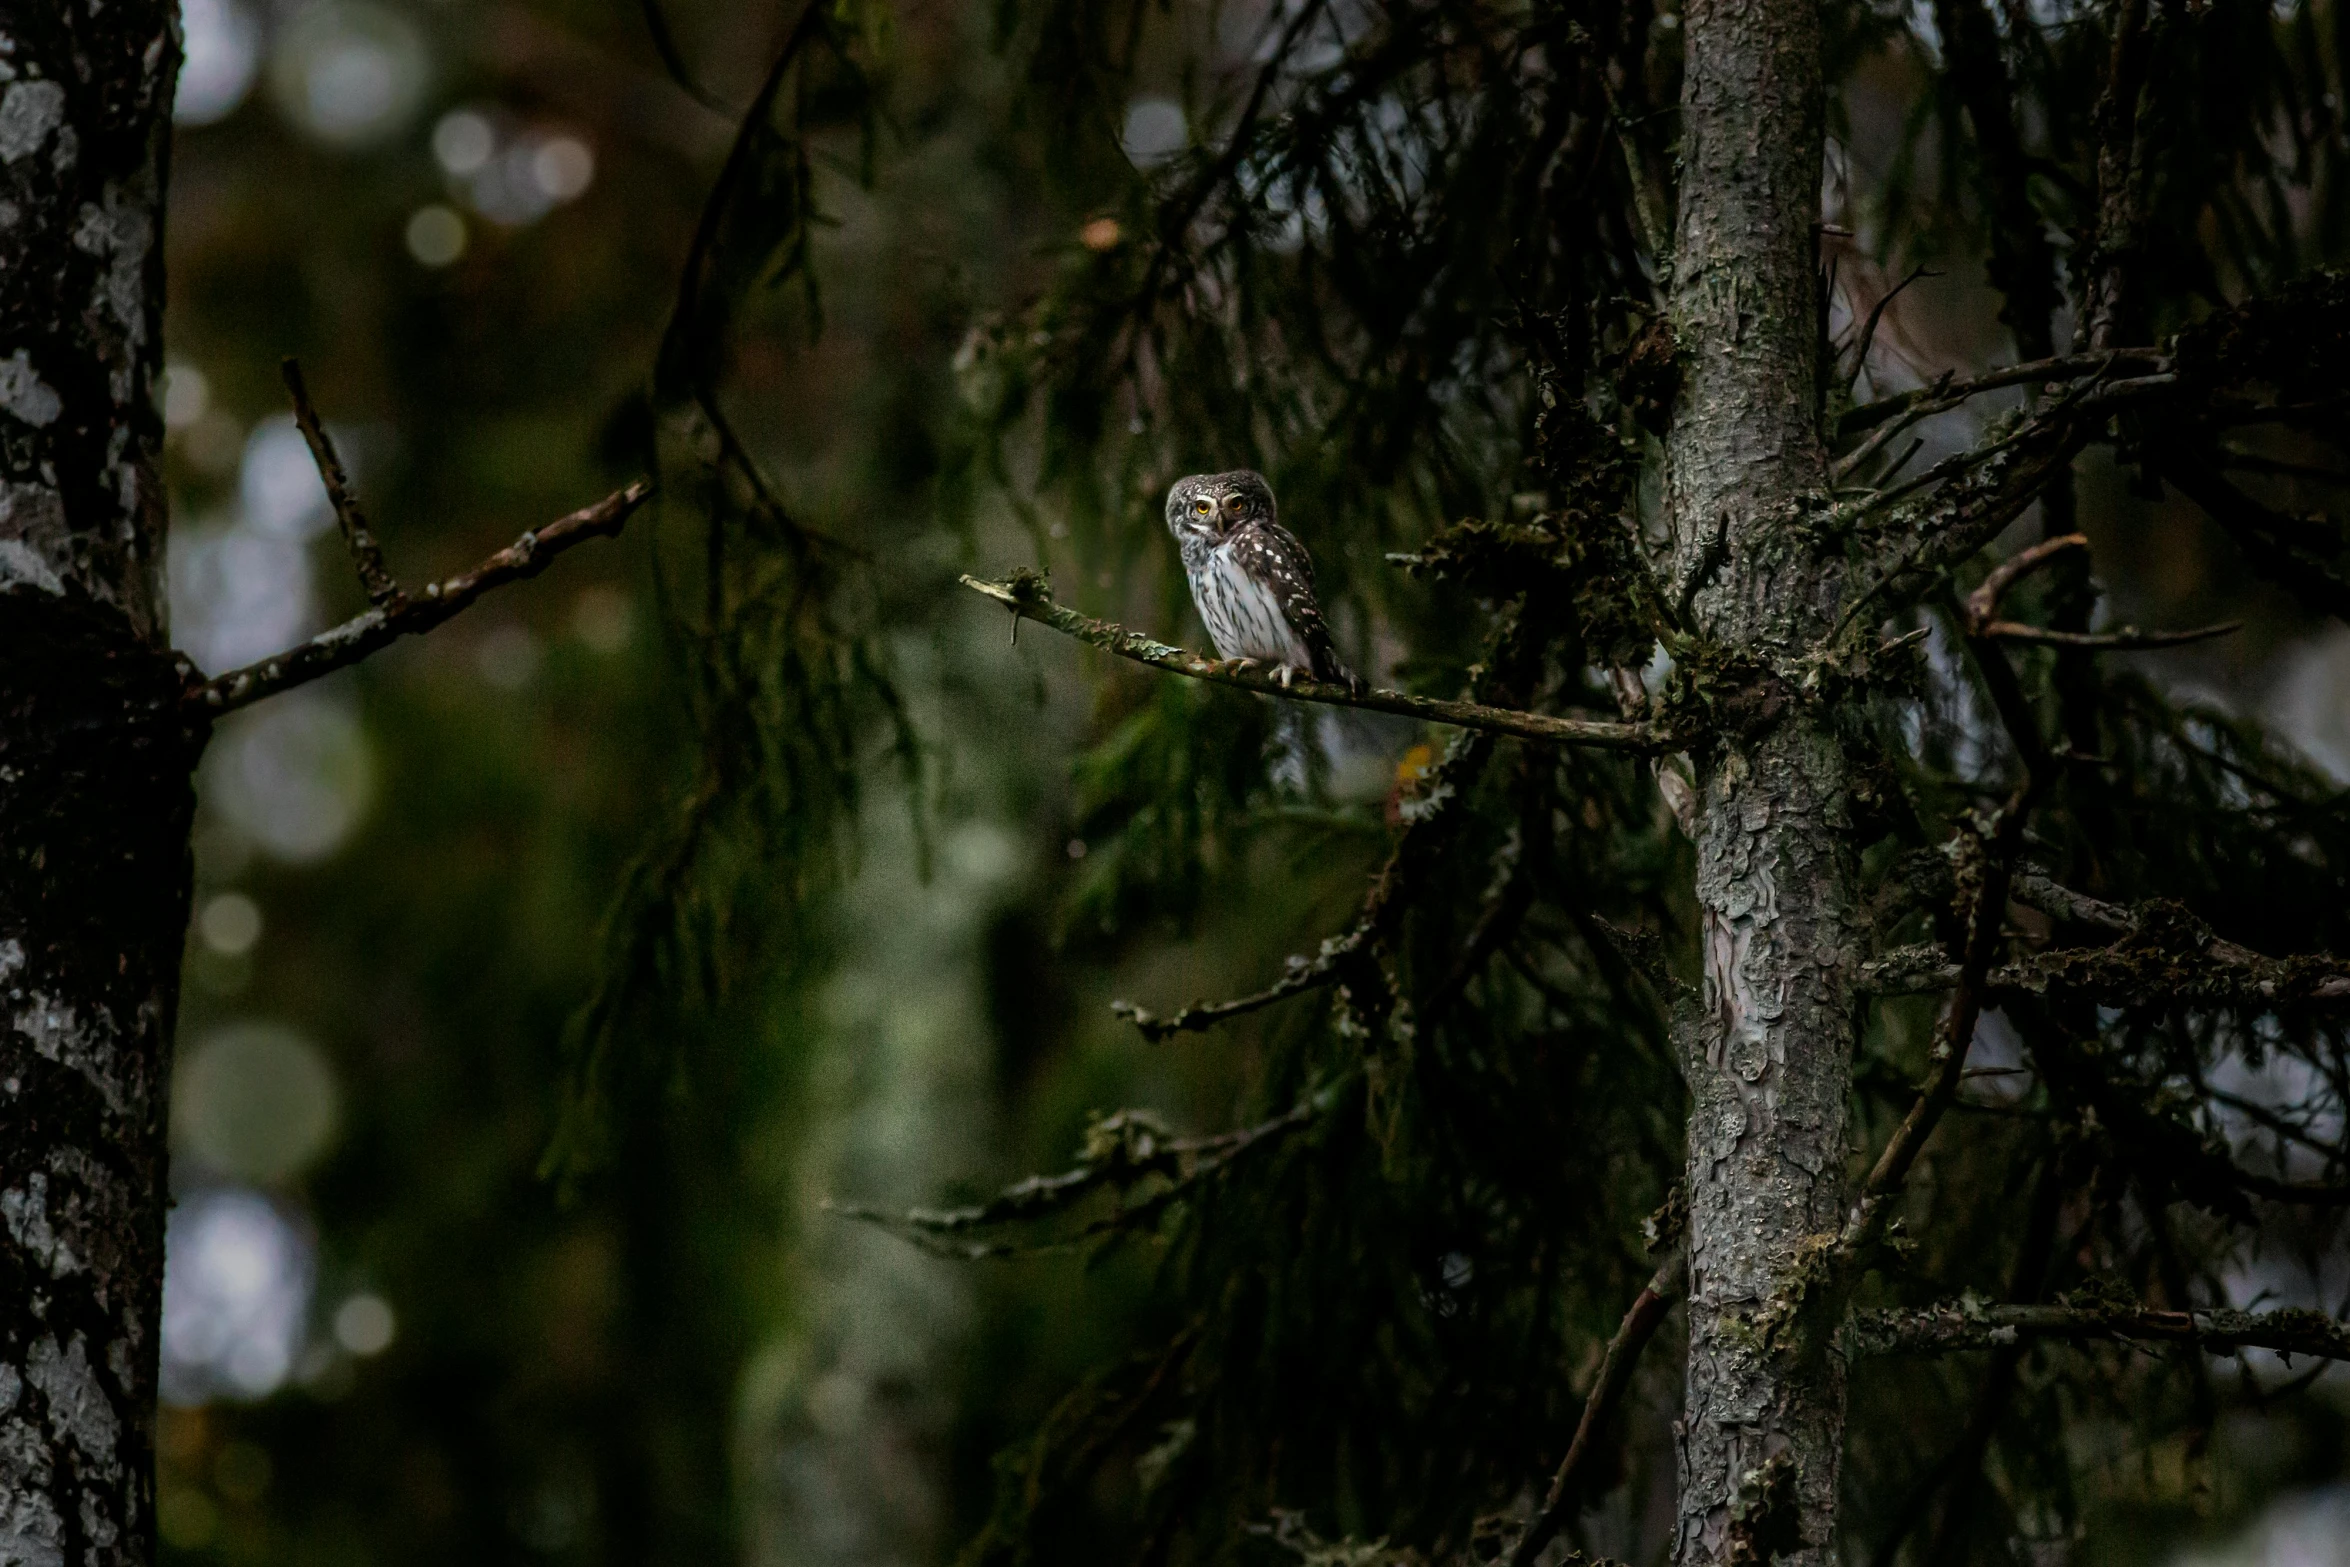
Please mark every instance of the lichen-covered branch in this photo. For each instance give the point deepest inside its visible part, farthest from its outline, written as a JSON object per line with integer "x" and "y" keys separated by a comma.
{"x": 1304, "y": 974}
{"x": 406, "y": 615}
{"x": 1122, "y": 1151}
{"x": 1966, "y": 1325}
{"x": 1029, "y": 597}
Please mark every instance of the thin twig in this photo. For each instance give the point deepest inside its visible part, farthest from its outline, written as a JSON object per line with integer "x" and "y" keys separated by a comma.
{"x": 1607, "y": 1391}
{"x": 1983, "y": 603}
{"x": 2065, "y": 367}
{"x": 2128, "y": 639}
{"x": 1954, "y": 1032}
{"x": 1029, "y": 597}
{"x": 1868, "y": 335}
{"x": 366, "y": 555}
{"x": 364, "y": 634}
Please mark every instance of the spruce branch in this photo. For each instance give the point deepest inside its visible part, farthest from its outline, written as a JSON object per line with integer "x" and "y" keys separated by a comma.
{"x": 1122, "y": 1151}
{"x": 1946, "y": 392}
{"x": 1304, "y": 974}
{"x": 403, "y": 615}
{"x": 1347, "y": 954}
{"x": 1030, "y": 597}
{"x": 1968, "y": 1325}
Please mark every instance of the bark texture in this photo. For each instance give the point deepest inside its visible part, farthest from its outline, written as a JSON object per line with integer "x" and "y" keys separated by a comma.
{"x": 1762, "y": 1430}
{"x": 94, "y": 767}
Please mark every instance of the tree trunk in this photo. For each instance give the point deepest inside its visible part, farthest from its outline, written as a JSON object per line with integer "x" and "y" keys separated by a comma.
{"x": 1762, "y": 1430}
{"x": 94, "y": 767}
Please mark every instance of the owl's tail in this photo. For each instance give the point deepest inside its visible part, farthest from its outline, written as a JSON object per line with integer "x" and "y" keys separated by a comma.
{"x": 1329, "y": 666}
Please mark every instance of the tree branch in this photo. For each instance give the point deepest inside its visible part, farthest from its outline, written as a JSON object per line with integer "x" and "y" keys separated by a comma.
{"x": 1030, "y": 597}
{"x": 2267, "y": 538}
{"x": 403, "y": 616}
{"x": 2120, "y": 232}
{"x": 1944, "y": 394}
{"x": 1304, "y": 974}
{"x": 2129, "y": 639}
{"x": 1343, "y": 955}
{"x": 358, "y": 538}
{"x": 1121, "y": 1152}
{"x": 1954, "y": 1328}
{"x": 1640, "y": 1323}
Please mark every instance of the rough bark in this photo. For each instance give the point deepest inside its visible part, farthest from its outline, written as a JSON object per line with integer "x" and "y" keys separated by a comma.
{"x": 1762, "y": 1429}
{"x": 94, "y": 764}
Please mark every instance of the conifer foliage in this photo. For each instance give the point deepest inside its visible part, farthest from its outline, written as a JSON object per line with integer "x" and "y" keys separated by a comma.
{"x": 1441, "y": 271}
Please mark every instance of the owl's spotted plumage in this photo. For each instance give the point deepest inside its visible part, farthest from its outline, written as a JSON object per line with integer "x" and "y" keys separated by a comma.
{"x": 1251, "y": 578}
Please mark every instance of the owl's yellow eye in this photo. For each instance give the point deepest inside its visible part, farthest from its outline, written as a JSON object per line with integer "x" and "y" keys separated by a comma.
{"x": 1203, "y": 507}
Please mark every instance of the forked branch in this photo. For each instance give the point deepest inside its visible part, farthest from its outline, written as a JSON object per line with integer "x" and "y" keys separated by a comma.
{"x": 404, "y": 615}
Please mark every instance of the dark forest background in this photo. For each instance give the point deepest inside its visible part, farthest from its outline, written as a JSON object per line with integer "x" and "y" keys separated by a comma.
{"x": 408, "y": 1318}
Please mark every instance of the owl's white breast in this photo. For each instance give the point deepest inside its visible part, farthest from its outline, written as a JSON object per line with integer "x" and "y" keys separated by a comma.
{"x": 1244, "y": 617}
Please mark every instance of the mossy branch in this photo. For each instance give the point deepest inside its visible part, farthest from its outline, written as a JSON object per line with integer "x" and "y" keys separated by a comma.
{"x": 1970, "y": 1325}
{"x": 1030, "y": 597}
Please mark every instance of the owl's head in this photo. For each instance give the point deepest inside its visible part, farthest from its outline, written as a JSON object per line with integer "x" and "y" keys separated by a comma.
{"x": 1211, "y": 505}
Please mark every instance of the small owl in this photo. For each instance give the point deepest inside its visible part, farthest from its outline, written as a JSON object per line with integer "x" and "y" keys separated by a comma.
{"x": 1251, "y": 578}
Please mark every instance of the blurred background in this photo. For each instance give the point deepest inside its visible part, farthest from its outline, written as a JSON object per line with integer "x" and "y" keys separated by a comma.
{"x": 388, "y": 1338}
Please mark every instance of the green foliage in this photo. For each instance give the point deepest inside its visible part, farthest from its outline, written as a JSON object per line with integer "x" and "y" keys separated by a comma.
{"x": 1333, "y": 1286}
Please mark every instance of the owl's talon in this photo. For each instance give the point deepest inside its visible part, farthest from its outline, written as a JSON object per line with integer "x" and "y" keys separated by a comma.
{"x": 1288, "y": 673}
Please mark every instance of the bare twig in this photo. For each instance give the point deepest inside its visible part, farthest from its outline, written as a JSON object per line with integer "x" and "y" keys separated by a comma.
{"x": 1948, "y": 1329}
{"x": 364, "y": 634}
{"x": 2129, "y": 639}
{"x": 1982, "y": 606}
{"x": 1947, "y": 393}
{"x": 1607, "y": 1391}
{"x": 366, "y": 555}
{"x": 1868, "y": 333}
{"x": 1954, "y": 1032}
{"x": 2276, "y": 546}
{"x": 1031, "y": 598}
{"x": 1983, "y": 603}
{"x": 2121, "y": 219}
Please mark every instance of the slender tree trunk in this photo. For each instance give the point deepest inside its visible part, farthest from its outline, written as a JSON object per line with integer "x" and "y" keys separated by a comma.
{"x": 1768, "y": 1069}
{"x": 94, "y": 764}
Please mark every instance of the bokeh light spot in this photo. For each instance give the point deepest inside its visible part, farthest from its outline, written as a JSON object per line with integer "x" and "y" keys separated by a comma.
{"x": 236, "y": 1286}
{"x": 187, "y": 395}
{"x": 364, "y": 1325}
{"x": 278, "y": 484}
{"x": 220, "y": 46}
{"x": 1155, "y": 131}
{"x": 294, "y": 776}
{"x": 603, "y": 618}
{"x": 254, "y": 1100}
{"x": 463, "y": 141}
{"x": 349, "y": 73}
{"x": 563, "y": 167}
{"x": 436, "y": 235}
{"x": 229, "y": 924}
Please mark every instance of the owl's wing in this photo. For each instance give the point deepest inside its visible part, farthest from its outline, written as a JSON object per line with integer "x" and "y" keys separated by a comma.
{"x": 1274, "y": 556}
